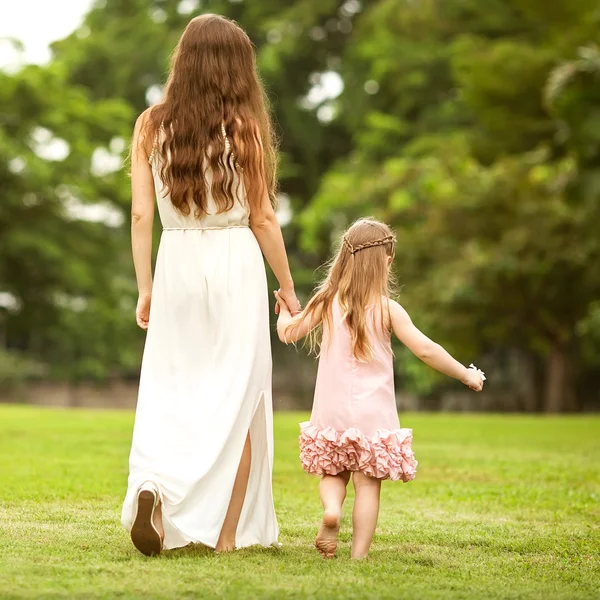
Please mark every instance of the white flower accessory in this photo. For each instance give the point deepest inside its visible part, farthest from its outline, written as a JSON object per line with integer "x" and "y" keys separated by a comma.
{"x": 472, "y": 366}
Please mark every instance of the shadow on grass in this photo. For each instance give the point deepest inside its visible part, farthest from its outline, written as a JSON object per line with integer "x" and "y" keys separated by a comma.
{"x": 189, "y": 551}
{"x": 201, "y": 551}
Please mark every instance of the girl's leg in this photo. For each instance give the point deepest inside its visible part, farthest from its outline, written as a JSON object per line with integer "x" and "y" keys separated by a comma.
{"x": 226, "y": 540}
{"x": 365, "y": 513}
{"x": 332, "y": 489}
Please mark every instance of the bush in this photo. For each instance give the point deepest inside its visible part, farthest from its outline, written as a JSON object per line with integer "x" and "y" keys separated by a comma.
{"x": 16, "y": 368}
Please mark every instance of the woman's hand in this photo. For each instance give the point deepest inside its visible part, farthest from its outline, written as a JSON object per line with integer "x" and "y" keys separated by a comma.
{"x": 281, "y": 307}
{"x": 142, "y": 311}
{"x": 289, "y": 297}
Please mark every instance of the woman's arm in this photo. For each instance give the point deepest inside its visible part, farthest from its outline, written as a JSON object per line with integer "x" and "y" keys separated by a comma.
{"x": 142, "y": 217}
{"x": 267, "y": 231}
{"x": 428, "y": 351}
{"x": 291, "y": 329}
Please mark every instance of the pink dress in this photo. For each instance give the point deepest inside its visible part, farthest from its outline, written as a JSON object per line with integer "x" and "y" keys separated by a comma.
{"x": 354, "y": 423}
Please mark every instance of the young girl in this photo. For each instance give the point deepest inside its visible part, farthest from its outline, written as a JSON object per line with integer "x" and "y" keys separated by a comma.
{"x": 354, "y": 429}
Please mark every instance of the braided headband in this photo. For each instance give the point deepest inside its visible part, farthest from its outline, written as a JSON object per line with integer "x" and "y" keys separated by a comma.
{"x": 381, "y": 242}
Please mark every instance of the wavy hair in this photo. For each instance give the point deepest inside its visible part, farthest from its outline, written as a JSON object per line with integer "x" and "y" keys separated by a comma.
{"x": 360, "y": 277}
{"x": 214, "y": 116}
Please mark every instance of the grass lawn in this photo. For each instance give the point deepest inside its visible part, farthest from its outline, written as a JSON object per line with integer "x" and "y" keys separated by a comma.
{"x": 502, "y": 507}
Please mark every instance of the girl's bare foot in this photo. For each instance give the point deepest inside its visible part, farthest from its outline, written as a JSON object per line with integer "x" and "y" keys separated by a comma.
{"x": 326, "y": 541}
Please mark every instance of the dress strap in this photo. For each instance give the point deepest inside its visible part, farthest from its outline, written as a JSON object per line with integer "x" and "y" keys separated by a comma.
{"x": 228, "y": 147}
{"x": 154, "y": 148}
{"x": 161, "y": 129}
{"x": 224, "y": 132}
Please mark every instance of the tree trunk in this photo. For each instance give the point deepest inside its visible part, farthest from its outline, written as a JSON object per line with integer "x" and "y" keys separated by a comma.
{"x": 559, "y": 392}
{"x": 532, "y": 371}
{"x": 73, "y": 388}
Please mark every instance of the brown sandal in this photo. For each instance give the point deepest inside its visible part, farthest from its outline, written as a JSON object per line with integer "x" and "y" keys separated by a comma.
{"x": 144, "y": 535}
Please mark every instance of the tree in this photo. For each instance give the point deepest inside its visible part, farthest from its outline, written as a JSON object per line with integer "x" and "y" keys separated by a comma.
{"x": 55, "y": 265}
{"x": 493, "y": 191}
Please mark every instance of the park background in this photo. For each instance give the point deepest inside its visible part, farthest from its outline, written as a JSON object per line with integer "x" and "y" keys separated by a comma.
{"x": 473, "y": 128}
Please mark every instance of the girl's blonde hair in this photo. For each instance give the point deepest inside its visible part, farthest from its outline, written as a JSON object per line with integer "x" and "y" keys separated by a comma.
{"x": 359, "y": 275}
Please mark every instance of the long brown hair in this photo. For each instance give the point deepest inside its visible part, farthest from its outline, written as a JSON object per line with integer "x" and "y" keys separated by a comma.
{"x": 359, "y": 275}
{"x": 213, "y": 91}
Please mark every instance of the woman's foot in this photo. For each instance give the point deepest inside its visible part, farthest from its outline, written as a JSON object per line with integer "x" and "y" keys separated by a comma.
{"x": 146, "y": 532}
{"x": 225, "y": 546}
{"x": 326, "y": 541}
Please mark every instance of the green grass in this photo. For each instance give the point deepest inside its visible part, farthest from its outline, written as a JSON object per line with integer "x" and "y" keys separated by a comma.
{"x": 502, "y": 507}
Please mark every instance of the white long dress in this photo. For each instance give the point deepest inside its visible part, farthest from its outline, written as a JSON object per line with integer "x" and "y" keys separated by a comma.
{"x": 205, "y": 378}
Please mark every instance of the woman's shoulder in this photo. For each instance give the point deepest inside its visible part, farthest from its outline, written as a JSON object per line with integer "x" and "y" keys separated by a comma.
{"x": 144, "y": 117}
{"x": 149, "y": 130}
{"x": 143, "y": 133}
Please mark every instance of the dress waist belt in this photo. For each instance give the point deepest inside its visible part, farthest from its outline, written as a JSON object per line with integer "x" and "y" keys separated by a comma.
{"x": 205, "y": 228}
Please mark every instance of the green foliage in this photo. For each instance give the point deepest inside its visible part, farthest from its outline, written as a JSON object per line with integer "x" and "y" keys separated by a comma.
{"x": 16, "y": 369}
{"x": 52, "y": 261}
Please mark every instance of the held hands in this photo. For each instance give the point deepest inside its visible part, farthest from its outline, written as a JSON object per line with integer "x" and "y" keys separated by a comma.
{"x": 474, "y": 378}
{"x": 281, "y": 307}
{"x": 142, "y": 311}
{"x": 288, "y": 301}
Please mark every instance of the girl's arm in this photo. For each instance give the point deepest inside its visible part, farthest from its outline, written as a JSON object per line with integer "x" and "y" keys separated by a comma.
{"x": 291, "y": 329}
{"x": 142, "y": 217}
{"x": 428, "y": 351}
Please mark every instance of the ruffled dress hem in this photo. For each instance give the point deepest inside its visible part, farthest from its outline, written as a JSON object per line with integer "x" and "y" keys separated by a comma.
{"x": 385, "y": 455}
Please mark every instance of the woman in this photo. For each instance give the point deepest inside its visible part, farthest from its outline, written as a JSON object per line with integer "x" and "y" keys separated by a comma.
{"x": 202, "y": 452}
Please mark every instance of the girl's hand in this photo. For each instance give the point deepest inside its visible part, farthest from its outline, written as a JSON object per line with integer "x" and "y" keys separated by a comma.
{"x": 474, "y": 378}
{"x": 288, "y": 297}
{"x": 142, "y": 311}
